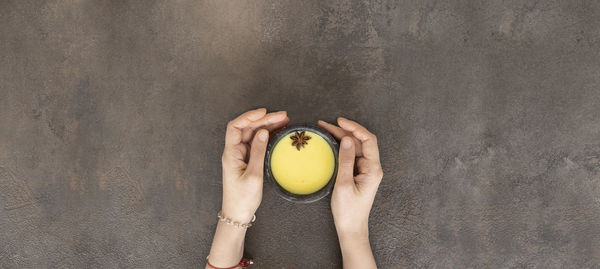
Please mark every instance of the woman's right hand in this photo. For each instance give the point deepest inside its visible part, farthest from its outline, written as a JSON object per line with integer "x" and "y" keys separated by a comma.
{"x": 353, "y": 195}
{"x": 243, "y": 158}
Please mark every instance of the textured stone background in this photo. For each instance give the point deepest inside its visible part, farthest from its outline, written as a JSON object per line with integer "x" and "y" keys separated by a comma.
{"x": 112, "y": 117}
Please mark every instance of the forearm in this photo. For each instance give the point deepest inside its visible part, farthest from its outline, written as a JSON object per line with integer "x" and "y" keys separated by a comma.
{"x": 356, "y": 249}
{"x": 228, "y": 245}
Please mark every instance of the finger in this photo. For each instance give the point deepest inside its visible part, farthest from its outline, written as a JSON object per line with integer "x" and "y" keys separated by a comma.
{"x": 276, "y": 127}
{"x": 362, "y": 165}
{"x": 257, "y": 154}
{"x": 368, "y": 167}
{"x": 367, "y": 139}
{"x": 234, "y": 160}
{"x": 233, "y": 134}
{"x": 346, "y": 158}
{"x": 365, "y": 182}
{"x": 273, "y": 128}
{"x": 268, "y": 119}
{"x": 235, "y": 152}
{"x": 338, "y": 133}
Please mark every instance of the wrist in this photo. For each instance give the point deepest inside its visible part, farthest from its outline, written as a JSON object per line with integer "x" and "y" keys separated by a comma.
{"x": 228, "y": 245}
{"x": 235, "y": 223}
{"x": 352, "y": 228}
{"x": 356, "y": 248}
{"x": 353, "y": 234}
{"x": 230, "y": 232}
{"x": 238, "y": 214}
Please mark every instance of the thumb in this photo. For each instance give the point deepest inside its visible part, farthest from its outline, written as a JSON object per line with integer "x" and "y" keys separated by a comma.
{"x": 257, "y": 154}
{"x": 346, "y": 158}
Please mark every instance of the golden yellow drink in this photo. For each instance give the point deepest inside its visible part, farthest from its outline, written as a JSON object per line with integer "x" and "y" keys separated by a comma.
{"x": 302, "y": 169}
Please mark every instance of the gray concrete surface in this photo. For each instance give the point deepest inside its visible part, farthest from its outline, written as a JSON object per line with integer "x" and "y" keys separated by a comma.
{"x": 112, "y": 116}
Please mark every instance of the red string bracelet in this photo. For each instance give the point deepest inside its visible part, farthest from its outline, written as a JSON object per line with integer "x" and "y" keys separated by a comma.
{"x": 244, "y": 263}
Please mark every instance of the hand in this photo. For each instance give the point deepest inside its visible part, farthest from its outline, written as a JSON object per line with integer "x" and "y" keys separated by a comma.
{"x": 353, "y": 195}
{"x": 242, "y": 179}
{"x": 243, "y": 158}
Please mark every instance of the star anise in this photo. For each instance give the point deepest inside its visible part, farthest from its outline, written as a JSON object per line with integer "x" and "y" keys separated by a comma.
{"x": 299, "y": 139}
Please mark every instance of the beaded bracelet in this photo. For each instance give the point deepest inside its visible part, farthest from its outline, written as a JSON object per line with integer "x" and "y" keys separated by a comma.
{"x": 235, "y": 223}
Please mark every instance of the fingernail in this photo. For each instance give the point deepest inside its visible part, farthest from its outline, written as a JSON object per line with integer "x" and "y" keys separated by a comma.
{"x": 346, "y": 143}
{"x": 263, "y": 135}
